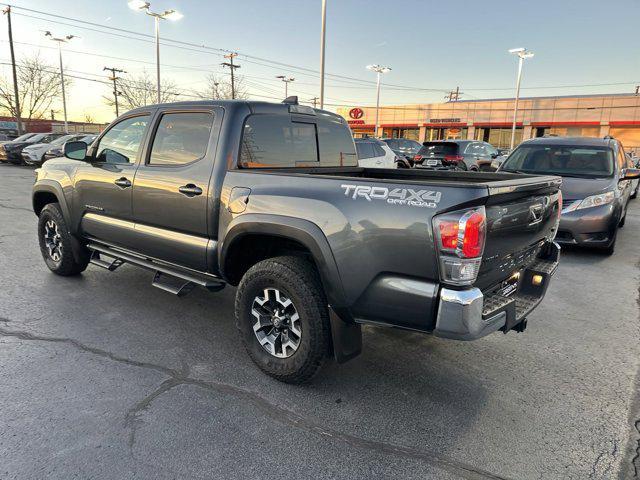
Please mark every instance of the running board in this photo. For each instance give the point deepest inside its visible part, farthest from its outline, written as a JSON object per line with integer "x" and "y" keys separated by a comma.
{"x": 172, "y": 284}
{"x": 97, "y": 260}
{"x": 183, "y": 281}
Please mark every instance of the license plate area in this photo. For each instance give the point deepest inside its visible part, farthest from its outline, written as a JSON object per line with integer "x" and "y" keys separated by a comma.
{"x": 509, "y": 286}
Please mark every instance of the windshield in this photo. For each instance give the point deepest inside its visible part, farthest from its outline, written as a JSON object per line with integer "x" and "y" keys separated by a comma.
{"x": 22, "y": 138}
{"x": 64, "y": 138}
{"x": 563, "y": 160}
{"x": 37, "y": 138}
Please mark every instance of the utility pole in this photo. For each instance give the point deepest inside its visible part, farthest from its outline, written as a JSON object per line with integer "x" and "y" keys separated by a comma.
{"x": 53, "y": 114}
{"x": 7, "y": 12}
{"x": 637, "y": 90}
{"x": 314, "y": 100}
{"x": 454, "y": 95}
{"x": 114, "y": 78}
{"x": 231, "y": 65}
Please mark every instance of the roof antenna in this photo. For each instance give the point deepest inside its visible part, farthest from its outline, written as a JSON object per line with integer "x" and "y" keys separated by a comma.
{"x": 292, "y": 100}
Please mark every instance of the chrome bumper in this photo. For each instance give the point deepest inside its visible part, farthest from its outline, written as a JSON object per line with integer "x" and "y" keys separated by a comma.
{"x": 469, "y": 314}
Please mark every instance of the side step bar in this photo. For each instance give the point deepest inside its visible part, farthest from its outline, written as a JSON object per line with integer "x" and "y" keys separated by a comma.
{"x": 172, "y": 280}
{"x": 97, "y": 260}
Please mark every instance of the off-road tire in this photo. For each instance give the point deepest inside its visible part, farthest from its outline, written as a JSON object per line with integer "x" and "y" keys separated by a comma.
{"x": 298, "y": 279}
{"x": 68, "y": 264}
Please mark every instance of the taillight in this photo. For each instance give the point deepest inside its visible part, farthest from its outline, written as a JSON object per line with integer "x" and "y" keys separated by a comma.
{"x": 453, "y": 158}
{"x": 417, "y": 158}
{"x": 460, "y": 238}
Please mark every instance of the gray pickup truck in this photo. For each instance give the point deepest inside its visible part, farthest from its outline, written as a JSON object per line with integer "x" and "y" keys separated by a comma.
{"x": 270, "y": 198}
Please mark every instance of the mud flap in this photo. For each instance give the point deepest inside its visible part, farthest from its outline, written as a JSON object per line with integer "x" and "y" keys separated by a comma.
{"x": 346, "y": 337}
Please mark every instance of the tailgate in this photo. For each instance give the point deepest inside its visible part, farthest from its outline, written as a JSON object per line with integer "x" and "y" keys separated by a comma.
{"x": 521, "y": 216}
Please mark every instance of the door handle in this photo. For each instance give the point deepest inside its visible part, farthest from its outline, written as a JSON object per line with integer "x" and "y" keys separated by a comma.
{"x": 190, "y": 190}
{"x": 123, "y": 182}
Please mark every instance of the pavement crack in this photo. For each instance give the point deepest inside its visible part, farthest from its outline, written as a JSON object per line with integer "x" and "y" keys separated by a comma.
{"x": 132, "y": 420}
{"x": 85, "y": 348}
{"x": 12, "y": 207}
{"x": 281, "y": 415}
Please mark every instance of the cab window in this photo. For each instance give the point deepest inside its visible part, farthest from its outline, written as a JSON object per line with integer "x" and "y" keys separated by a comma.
{"x": 121, "y": 143}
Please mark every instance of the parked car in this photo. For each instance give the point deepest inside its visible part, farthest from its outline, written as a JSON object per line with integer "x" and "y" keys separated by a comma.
{"x": 269, "y": 197}
{"x": 635, "y": 184}
{"x": 375, "y": 153}
{"x": 596, "y": 184}
{"x": 403, "y": 147}
{"x": 21, "y": 138}
{"x": 457, "y": 154}
{"x": 12, "y": 151}
{"x": 34, "y": 154}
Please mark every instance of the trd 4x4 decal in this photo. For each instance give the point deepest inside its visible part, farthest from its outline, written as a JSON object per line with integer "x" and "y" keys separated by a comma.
{"x": 397, "y": 196}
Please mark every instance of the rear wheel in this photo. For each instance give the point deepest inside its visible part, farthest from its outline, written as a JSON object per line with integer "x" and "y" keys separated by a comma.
{"x": 58, "y": 248}
{"x": 282, "y": 316}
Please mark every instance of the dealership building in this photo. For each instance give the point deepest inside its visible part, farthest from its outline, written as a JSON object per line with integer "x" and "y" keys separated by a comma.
{"x": 491, "y": 120}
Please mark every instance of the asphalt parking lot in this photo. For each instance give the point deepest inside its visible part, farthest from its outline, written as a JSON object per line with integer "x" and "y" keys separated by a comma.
{"x": 104, "y": 376}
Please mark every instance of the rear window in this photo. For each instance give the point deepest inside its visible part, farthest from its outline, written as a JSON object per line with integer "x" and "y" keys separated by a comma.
{"x": 567, "y": 160}
{"x": 438, "y": 148}
{"x": 279, "y": 141}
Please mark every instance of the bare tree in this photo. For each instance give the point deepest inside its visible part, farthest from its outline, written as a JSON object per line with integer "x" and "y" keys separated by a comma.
{"x": 88, "y": 118}
{"x": 138, "y": 91}
{"x": 39, "y": 87}
{"x": 220, "y": 89}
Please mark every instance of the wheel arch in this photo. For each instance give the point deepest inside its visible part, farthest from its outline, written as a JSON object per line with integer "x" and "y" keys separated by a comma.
{"x": 279, "y": 234}
{"x": 49, "y": 192}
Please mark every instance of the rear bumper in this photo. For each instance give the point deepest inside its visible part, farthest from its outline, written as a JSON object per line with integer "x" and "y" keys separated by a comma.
{"x": 469, "y": 314}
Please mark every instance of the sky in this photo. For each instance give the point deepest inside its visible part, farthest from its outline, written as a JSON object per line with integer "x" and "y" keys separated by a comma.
{"x": 432, "y": 47}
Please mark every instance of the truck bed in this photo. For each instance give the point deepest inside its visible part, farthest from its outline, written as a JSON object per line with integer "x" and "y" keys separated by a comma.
{"x": 496, "y": 182}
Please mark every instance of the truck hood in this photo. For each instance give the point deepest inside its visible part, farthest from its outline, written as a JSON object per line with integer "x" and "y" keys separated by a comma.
{"x": 579, "y": 188}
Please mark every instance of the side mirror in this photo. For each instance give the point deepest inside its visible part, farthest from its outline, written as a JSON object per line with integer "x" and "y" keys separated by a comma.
{"x": 75, "y": 150}
{"x": 495, "y": 155}
{"x": 630, "y": 174}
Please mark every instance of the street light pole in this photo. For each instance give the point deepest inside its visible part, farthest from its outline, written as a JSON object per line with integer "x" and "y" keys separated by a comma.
{"x": 379, "y": 71}
{"x": 157, "y": 22}
{"x": 60, "y": 41}
{"x": 323, "y": 37}
{"x": 168, "y": 15}
{"x": 523, "y": 54}
{"x": 286, "y": 81}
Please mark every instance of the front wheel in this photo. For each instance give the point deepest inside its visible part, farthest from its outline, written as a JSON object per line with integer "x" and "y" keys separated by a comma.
{"x": 57, "y": 244}
{"x": 282, "y": 317}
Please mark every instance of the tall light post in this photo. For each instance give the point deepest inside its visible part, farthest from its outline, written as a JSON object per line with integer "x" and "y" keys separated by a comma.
{"x": 522, "y": 54}
{"x": 323, "y": 38}
{"x": 286, "y": 81}
{"x": 60, "y": 41}
{"x": 379, "y": 69}
{"x": 166, "y": 15}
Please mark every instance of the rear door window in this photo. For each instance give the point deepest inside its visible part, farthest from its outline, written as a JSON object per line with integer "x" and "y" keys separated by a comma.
{"x": 277, "y": 141}
{"x": 378, "y": 151}
{"x": 365, "y": 150}
{"x": 181, "y": 138}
